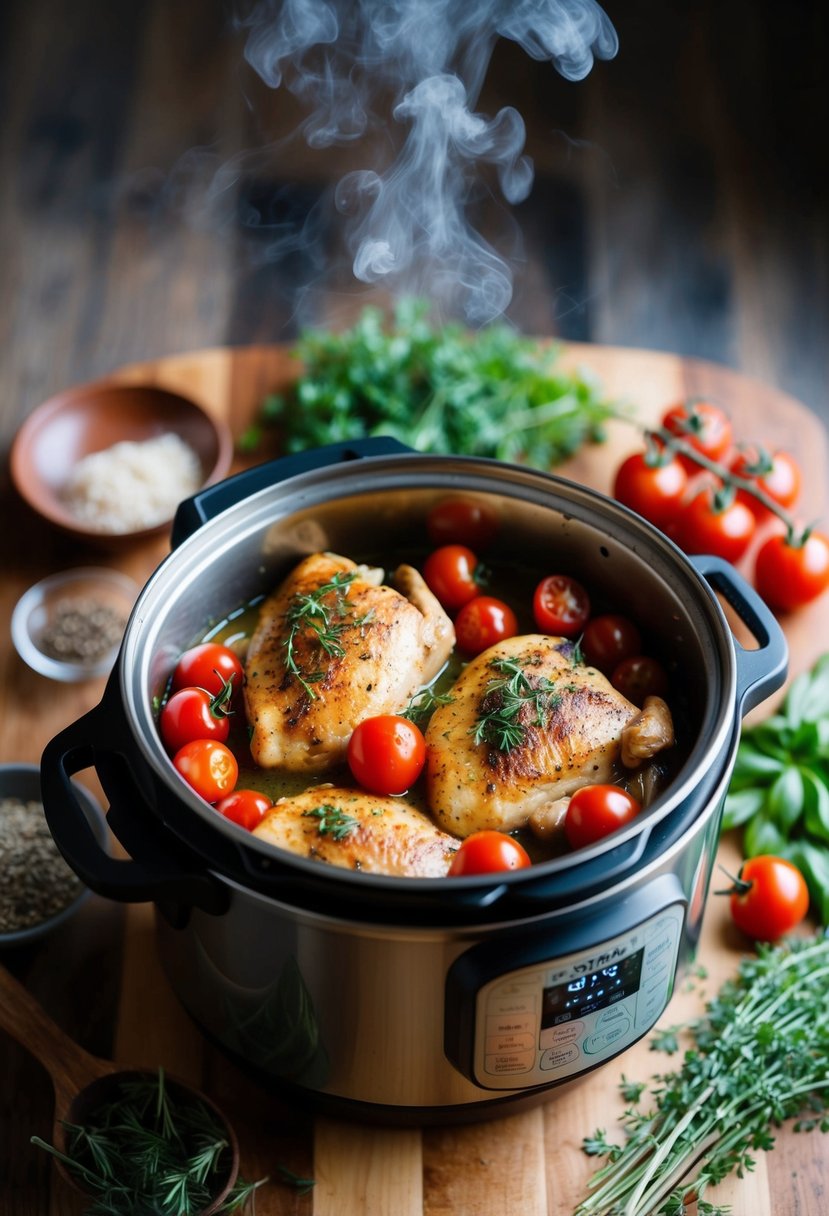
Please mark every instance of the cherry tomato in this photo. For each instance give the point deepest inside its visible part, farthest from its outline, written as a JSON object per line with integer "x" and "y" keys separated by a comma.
{"x": 386, "y": 754}
{"x": 780, "y": 483}
{"x": 561, "y": 606}
{"x": 450, "y": 573}
{"x": 208, "y": 666}
{"x": 609, "y": 639}
{"x": 483, "y": 622}
{"x": 245, "y": 807}
{"x": 209, "y": 767}
{"x": 639, "y": 677}
{"x": 726, "y": 533}
{"x": 705, "y": 427}
{"x": 595, "y": 811}
{"x": 770, "y": 898}
{"x": 461, "y": 521}
{"x": 193, "y": 713}
{"x": 789, "y": 576}
{"x": 487, "y": 852}
{"x": 653, "y": 488}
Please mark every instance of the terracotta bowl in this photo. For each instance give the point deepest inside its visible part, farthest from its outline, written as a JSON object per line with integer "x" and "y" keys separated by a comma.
{"x": 89, "y": 418}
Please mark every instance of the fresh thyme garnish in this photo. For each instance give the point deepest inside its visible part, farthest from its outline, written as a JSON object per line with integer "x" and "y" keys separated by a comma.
{"x": 423, "y": 704}
{"x": 332, "y": 821}
{"x": 151, "y": 1150}
{"x": 309, "y": 614}
{"x": 501, "y": 721}
{"x": 301, "y": 1185}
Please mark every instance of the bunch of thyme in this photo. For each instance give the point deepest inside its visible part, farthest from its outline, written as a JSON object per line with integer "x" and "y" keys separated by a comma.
{"x": 501, "y": 721}
{"x": 759, "y": 1056}
{"x": 321, "y": 615}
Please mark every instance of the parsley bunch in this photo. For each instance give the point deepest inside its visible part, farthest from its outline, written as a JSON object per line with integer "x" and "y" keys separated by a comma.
{"x": 439, "y": 389}
{"x": 758, "y": 1056}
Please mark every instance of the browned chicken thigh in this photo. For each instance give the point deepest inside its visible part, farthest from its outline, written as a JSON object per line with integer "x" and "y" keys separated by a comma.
{"x": 334, "y": 646}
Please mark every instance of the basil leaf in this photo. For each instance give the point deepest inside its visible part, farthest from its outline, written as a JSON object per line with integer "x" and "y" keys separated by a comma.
{"x": 785, "y": 800}
{"x": 813, "y": 864}
{"x": 808, "y": 697}
{"x": 740, "y": 806}
{"x": 762, "y": 836}
{"x": 815, "y": 805}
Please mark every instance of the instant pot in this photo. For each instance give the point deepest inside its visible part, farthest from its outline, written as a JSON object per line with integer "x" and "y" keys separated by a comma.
{"x": 414, "y": 1000}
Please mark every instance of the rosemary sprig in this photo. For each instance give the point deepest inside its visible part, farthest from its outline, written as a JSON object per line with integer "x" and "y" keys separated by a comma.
{"x": 332, "y": 821}
{"x": 321, "y": 615}
{"x": 301, "y": 1185}
{"x": 503, "y": 719}
{"x": 423, "y": 704}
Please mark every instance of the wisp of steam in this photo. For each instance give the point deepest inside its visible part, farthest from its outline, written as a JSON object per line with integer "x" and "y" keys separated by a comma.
{"x": 413, "y": 70}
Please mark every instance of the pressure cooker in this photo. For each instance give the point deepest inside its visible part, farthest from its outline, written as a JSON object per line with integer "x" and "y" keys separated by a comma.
{"x": 412, "y": 1000}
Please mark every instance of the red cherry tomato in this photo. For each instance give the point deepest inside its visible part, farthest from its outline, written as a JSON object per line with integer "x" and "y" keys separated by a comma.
{"x": 609, "y": 639}
{"x": 726, "y": 533}
{"x": 245, "y": 807}
{"x": 595, "y": 811}
{"x": 639, "y": 677}
{"x": 653, "y": 488}
{"x": 789, "y": 576}
{"x": 561, "y": 606}
{"x": 386, "y": 754}
{"x": 461, "y": 521}
{"x": 483, "y": 622}
{"x": 450, "y": 573}
{"x": 705, "y": 427}
{"x": 208, "y": 666}
{"x": 780, "y": 483}
{"x": 193, "y": 713}
{"x": 770, "y": 898}
{"x": 487, "y": 852}
{"x": 209, "y": 767}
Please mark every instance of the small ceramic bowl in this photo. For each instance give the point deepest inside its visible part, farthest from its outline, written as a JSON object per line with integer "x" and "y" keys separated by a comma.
{"x": 66, "y": 627}
{"x": 94, "y": 417}
{"x": 22, "y": 781}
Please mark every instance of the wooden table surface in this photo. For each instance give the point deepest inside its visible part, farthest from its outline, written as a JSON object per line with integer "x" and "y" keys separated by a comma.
{"x": 99, "y": 977}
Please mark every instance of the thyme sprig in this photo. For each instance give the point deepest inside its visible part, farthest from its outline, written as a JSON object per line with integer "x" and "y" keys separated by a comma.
{"x": 759, "y": 1056}
{"x": 323, "y": 615}
{"x": 510, "y": 703}
{"x": 423, "y": 704}
{"x": 331, "y": 821}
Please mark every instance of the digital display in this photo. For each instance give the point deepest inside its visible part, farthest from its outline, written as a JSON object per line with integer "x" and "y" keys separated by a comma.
{"x": 586, "y": 993}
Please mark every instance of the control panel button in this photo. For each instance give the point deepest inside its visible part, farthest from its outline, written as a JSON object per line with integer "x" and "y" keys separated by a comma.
{"x": 558, "y": 1057}
{"x": 597, "y": 1043}
{"x": 557, "y": 1036}
{"x": 501, "y": 1063}
{"x": 613, "y": 1016}
{"x": 509, "y": 1042}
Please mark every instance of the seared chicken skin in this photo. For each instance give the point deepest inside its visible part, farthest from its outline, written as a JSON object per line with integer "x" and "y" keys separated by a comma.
{"x": 332, "y": 647}
{"x": 359, "y": 831}
{"x": 525, "y": 728}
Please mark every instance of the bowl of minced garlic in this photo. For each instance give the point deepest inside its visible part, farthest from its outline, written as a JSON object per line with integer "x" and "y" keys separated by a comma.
{"x": 38, "y": 890}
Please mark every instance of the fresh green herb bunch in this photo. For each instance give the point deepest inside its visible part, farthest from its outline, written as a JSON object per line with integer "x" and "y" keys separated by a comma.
{"x": 511, "y": 702}
{"x": 780, "y": 787}
{"x": 321, "y": 615}
{"x": 151, "y": 1152}
{"x": 439, "y": 389}
{"x": 758, "y": 1056}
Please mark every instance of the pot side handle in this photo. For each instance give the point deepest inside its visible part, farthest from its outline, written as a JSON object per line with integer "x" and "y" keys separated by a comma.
{"x": 762, "y": 670}
{"x": 160, "y": 876}
{"x": 193, "y": 512}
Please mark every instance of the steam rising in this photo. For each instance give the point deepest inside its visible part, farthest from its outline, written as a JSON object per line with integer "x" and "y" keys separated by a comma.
{"x": 353, "y": 63}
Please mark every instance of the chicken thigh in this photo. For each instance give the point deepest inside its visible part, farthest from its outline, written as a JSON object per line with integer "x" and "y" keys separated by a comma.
{"x": 526, "y": 727}
{"x": 334, "y": 646}
{"x": 359, "y": 831}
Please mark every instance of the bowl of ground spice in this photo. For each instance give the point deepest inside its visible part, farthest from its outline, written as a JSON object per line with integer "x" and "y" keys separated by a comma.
{"x": 69, "y": 626}
{"x": 38, "y": 890}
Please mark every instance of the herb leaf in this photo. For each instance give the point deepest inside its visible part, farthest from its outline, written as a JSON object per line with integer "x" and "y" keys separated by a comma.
{"x": 322, "y": 616}
{"x": 503, "y": 718}
{"x": 332, "y": 821}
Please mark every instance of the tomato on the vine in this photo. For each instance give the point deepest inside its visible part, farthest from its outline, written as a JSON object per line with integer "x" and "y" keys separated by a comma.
{"x": 595, "y": 811}
{"x": 609, "y": 639}
{"x": 461, "y": 521}
{"x": 639, "y": 677}
{"x": 386, "y": 754}
{"x": 209, "y": 665}
{"x": 789, "y": 575}
{"x": 776, "y": 474}
{"x": 653, "y": 484}
{"x": 450, "y": 573}
{"x": 209, "y": 767}
{"x": 194, "y": 713}
{"x": 246, "y": 807}
{"x": 706, "y": 527}
{"x": 769, "y": 898}
{"x": 483, "y": 622}
{"x": 703, "y": 426}
{"x": 561, "y": 606}
{"x": 487, "y": 852}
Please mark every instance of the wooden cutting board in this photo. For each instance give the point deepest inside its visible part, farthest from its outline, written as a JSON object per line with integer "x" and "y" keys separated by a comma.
{"x": 525, "y": 1165}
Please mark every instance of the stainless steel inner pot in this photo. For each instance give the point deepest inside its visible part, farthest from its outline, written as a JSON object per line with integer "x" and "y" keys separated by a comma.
{"x": 374, "y": 992}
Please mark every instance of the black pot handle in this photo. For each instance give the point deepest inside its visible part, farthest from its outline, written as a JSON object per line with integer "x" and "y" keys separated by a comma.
{"x": 760, "y": 671}
{"x": 210, "y": 502}
{"x": 159, "y": 876}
